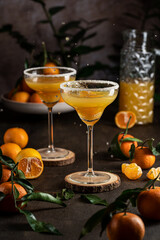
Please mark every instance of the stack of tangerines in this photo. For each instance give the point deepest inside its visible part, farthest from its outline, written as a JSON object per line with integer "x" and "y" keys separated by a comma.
{"x": 143, "y": 158}
{"x": 29, "y": 160}
{"x": 23, "y": 93}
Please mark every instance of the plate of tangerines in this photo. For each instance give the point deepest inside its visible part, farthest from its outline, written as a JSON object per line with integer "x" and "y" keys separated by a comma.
{"x": 24, "y": 100}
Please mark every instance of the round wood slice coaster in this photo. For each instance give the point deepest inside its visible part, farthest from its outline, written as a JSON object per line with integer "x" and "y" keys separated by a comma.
{"x": 111, "y": 184}
{"x": 69, "y": 159}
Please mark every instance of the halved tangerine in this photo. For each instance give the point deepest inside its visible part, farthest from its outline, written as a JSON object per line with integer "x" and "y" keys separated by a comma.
{"x": 122, "y": 118}
{"x": 30, "y": 163}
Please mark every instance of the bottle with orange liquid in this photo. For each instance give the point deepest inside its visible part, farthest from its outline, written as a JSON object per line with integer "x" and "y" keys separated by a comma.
{"x": 137, "y": 76}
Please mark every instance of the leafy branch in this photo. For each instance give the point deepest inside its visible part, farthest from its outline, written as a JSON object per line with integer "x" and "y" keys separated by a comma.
{"x": 121, "y": 204}
{"x": 17, "y": 176}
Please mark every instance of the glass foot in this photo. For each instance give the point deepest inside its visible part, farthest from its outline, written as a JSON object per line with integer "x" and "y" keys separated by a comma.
{"x": 51, "y": 155}
{"x": 86, "y": 178}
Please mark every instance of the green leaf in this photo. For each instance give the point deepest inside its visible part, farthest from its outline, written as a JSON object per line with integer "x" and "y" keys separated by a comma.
{"x": 89, "y": 70}
{"x": 68, "y": 26}
{"x": 92, "y": 222}
{"x": 39, "y": 226}
{"x": 131, "y": 140}
{"x": 24, "y": 183}
{"x": 84, "y": 49}
{"x": 94, "y": 199}
{"x": 65, "y": 194}
{"x": 40, "y": 196}
{"x": 89, "y": 36}
{"x": 16, "y": 192}
{"x": 20, "y": 174}
{"x": 132, "y": 151}
{"x": 39, "y": 1}
{"x": 44, "y": 21}
{"x": 2, "y": 196}
{"x": 7, "y": 161}
{"x": 55, "y": 10}
{"x": 154, "y": 150}
{"x": 115, "y": 148}
{"x": 1, "y": 171}
{"x": 76, "y": 38}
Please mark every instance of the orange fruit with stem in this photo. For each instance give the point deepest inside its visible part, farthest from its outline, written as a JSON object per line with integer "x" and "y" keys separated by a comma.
{"x": 8, "y": 204}
{"x": 148, "y": 203}
{"x": 143, "y": 157}
{"x": 21, "y": 96}
{"x": 51, "y": 69}
{"x": 16, "y": 135}
{"x": 10, "y": 150}
{"x": 126, "y": 226}
{"x": 30, "y": 163}
{"x": 125, "y": 146}
{"x": 122, "y": 118}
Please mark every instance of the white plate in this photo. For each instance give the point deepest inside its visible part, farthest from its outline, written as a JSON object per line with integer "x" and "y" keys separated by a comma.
{"x": 34, "y": 108}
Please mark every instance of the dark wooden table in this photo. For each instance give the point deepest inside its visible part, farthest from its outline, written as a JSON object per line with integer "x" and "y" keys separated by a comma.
{"x": 70, "y": 133}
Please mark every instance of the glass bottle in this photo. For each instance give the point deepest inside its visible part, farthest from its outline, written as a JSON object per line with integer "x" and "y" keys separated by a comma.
{"x": 137, "y": 76}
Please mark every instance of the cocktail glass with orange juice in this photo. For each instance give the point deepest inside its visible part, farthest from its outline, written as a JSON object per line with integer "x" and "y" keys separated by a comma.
{"x": 46, "y": 82}
{"x": 89, "y": 98}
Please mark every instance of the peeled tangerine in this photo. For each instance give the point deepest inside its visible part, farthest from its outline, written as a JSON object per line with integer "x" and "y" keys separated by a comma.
{"x": 153, "y": 173}
{"x": 131, "y": 171}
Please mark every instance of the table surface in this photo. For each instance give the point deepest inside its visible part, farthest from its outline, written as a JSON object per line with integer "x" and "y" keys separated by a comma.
{"x": 70, "y": 133}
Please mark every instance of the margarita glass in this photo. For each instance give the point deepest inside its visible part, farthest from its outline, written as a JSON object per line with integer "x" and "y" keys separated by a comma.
{"x": 46, "y": 82}
{"x": 89, "y": 98}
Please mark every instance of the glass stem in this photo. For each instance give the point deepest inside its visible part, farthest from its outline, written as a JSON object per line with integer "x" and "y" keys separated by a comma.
{"x": 90, "y": 171}
{"x": 50, "y": 130}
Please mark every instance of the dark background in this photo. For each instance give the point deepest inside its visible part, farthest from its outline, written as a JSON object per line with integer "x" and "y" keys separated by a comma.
{"x": 24, "y": 16}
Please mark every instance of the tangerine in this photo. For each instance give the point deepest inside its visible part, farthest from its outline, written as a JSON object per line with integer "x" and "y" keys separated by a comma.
{"x": 10, "y": 150}
{"x": 122, "y": 118}
{"x": 21, "y": 96}
{"x": 125, "y": 146}
{"x": 50, "y": 68}
{"x": 6, "y": 174}
{"x": 24, "y": 87}
{"x": 148, "y": 203}
{"x": 30, "y": 163}
{"x": 144, "y": 157}
{"x": 8, "y": 204}
{"x": 35, "y": 98}
{"x": 125, "y": 226}
{"x": 16, "y": 135}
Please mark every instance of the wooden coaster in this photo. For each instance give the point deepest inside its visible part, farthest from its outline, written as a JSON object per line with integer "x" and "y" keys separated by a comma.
{"x": 69, "y": 159}
{"x": 111, "y": 184}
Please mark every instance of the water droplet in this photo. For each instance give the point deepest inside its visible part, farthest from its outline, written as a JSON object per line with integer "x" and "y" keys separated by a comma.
{"x": 112, "y": 156}
{"x": 67, "y": 39}
{"x": 68, "y": 56}
{"x": 63, "y": 23}
{"x": 87, "y": 64}
{"x": 80, "y": 125}
{"x": 59, "y": 113}
{"x": 107, "y": 143}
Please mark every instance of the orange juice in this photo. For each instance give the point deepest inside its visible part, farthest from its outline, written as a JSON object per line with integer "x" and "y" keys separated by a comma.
{"x": 47, "y": 88}
{"x": 89, "y": 104}
{"x": 137, "y": 96}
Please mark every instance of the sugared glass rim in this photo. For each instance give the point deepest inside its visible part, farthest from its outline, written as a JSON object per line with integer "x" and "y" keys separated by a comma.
{"x": 34, "y": 74}
{"x": 68, "y": 87}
